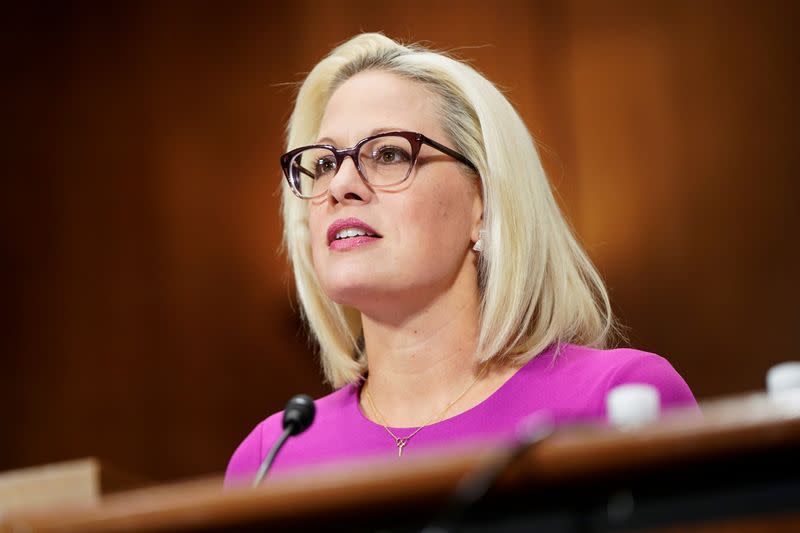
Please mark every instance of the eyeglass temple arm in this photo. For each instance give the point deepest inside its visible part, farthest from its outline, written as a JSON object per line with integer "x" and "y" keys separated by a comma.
{"x": 450, "y": 152}
{"x": 304, "y": 170}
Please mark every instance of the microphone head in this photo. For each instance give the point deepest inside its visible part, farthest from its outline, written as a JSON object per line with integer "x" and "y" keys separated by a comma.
{"x": 299, "y": 413}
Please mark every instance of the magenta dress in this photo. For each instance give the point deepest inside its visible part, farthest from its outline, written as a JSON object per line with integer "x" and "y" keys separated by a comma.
{"x": 569, "y": 386}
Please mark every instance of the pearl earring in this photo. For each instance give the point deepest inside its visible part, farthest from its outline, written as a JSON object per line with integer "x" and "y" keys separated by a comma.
{"x": 478, "y": 246}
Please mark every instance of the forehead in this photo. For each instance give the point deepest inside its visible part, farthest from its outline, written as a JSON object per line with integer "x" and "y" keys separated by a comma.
{"x": 376, "y": 100}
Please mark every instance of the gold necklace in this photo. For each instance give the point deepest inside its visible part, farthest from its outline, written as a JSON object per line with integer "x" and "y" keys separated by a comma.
{"x": 400, "y": 442}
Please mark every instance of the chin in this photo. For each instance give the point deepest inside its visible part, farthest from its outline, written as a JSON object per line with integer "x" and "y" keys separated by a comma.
{"x": 344, "y": 275}
{"x": 349, "y": 286}
{"x": 351, "y": 296}
{"x": 361, "y": 293}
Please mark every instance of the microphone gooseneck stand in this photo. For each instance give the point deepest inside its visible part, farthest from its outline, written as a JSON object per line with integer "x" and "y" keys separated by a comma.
{"x": 297, "y": 417}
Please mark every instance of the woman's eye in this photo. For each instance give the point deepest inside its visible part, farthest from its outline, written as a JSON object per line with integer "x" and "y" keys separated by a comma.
{"x": 324, "y": 166}
{"x": 388, "y": 155}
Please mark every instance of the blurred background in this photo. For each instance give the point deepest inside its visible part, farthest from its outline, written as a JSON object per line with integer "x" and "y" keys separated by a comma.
{"x": 148, "y": 315}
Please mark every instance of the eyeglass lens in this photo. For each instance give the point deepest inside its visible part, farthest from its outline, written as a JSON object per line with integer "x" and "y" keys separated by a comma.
{"x": 383, "y": 161}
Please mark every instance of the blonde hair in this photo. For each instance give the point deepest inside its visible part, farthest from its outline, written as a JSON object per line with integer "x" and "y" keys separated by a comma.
{"x": 538, "y": 286}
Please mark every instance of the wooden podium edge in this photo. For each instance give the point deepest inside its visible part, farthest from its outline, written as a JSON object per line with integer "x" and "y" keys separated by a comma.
{"x": 568, "y": 456}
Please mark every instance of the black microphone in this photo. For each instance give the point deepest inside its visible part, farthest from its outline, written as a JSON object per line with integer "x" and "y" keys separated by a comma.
{"x": 297, "y": 417}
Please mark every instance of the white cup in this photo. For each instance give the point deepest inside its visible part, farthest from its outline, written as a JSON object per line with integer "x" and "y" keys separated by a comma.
{"x": 632, "y": 404}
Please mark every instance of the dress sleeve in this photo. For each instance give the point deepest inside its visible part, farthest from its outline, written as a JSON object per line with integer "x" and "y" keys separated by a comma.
{"x": 246, "y": 459}
{"x": 654, "y": 370}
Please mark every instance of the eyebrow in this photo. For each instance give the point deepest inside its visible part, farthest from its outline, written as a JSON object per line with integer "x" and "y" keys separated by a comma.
{"x": 328, "y": 140}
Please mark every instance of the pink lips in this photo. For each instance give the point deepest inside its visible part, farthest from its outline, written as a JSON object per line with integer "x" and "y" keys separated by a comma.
{"x": 351, "y": 242}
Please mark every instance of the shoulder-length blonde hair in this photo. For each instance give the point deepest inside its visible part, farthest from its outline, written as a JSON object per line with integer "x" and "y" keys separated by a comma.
{"x": 538, "y": 286}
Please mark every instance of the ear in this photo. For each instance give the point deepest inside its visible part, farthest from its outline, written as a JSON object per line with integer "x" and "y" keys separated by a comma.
{"x": 477, "y": 217}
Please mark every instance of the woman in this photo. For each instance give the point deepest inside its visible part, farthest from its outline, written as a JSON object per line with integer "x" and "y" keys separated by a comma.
{"x": 448, "y": 296}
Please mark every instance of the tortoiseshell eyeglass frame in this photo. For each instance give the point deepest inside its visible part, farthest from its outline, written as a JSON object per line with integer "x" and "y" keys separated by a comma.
{"x": 416, "y": 140}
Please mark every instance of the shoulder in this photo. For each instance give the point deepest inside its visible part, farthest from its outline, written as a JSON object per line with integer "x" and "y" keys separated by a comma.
{"x": 606, "y": 369}
{"x": 247, "y": 458}
{"x": 573, "y": 381}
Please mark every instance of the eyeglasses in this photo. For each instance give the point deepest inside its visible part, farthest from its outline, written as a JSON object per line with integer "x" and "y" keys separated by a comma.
{"x": 382, "y": 160}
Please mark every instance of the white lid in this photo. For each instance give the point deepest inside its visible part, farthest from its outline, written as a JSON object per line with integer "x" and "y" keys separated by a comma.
{"x": 783, "y": 377}
{"x": 632, "y": 404}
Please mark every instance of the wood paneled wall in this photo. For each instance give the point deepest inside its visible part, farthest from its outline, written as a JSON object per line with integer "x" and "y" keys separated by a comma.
{"x": 148, "y": 315}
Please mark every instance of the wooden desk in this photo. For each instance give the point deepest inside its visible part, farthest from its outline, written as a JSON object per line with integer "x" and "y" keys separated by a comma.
{"x": 734, "y": 469}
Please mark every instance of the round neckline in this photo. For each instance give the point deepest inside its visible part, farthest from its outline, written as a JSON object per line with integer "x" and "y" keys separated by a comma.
{"x": 507, "y": 383}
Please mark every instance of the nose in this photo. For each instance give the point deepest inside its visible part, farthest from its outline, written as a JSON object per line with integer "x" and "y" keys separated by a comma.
{"x": 347, "y": 186}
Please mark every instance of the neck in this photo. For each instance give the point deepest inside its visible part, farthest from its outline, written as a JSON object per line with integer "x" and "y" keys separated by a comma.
{"x": 420, "y": 364}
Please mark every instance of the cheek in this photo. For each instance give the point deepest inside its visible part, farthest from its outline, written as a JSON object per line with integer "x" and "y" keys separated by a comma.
{"x": 439, "y": 222}
{"x": 317, "y": 236}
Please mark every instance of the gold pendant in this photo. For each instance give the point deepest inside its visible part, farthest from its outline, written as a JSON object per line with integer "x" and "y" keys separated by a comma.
{"x": 400, "y": 444}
